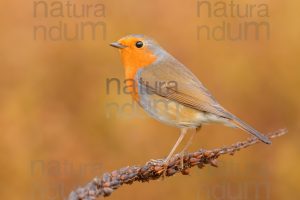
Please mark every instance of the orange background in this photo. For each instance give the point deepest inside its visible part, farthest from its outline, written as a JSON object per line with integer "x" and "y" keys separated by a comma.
{"x": 55, "y": 132}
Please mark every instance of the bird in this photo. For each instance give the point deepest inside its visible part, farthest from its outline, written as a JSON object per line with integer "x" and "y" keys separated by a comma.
{"x": 169, "y": 92}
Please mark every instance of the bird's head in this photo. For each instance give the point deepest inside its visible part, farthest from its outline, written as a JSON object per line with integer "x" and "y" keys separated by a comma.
{"x": 138, "y": 50}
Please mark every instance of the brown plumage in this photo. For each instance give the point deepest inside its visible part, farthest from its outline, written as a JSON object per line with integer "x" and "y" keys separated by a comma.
{"x": 181, "y": 99}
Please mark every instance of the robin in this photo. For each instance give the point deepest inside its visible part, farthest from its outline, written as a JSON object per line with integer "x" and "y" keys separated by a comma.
{"x": 169, "y": 92}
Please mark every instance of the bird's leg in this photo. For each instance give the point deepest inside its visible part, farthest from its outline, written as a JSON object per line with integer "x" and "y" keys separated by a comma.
{"x": 183, "y": 132}
{"x": 188, "y": 144}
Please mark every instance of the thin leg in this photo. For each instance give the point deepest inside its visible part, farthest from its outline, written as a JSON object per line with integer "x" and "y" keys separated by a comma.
{"x": 183, "y": 132}
{"x": 188, "y": 144}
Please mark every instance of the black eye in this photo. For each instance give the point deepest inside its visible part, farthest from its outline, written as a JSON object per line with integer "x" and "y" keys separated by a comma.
{"x": 139, "y": 44}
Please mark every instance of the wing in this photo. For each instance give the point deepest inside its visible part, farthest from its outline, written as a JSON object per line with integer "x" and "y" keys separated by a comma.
{"x": 171, "y": 79}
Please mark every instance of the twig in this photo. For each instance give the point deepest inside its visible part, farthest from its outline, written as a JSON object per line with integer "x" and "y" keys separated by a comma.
{"x": 154, "y": 169}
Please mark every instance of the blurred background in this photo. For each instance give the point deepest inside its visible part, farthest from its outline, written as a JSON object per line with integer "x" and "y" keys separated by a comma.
{"x": 58, "y": 130}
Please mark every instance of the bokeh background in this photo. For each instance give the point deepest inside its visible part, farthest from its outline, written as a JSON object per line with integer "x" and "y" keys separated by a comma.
{"x": 56, "y": 130}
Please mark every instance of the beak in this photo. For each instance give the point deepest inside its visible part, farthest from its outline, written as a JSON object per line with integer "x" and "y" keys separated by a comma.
{"x": 117, "y": 45}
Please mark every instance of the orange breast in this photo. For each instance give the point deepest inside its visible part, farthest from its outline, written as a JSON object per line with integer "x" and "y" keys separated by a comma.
{"x": 133, "y": 61}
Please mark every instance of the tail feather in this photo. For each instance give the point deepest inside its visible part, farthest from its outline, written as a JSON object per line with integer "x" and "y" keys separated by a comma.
{"x": 244, "y": 126}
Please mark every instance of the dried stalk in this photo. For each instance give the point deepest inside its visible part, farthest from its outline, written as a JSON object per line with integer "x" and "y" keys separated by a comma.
{"x": 155, "y": 169}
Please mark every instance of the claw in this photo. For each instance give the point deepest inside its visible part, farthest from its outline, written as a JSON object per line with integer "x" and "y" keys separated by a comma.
{"x": 182, "y": 154}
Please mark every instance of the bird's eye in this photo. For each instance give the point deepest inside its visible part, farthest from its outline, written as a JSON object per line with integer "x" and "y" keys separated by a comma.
{"x": 139, "y": 44}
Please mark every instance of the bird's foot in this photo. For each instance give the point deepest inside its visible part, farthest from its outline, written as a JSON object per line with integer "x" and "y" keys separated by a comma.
{"x": 160, "y": 166}
{"x": 168, "y": 166}
{"x": 182, "y": 154}
{"x": 165, "y": 167}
